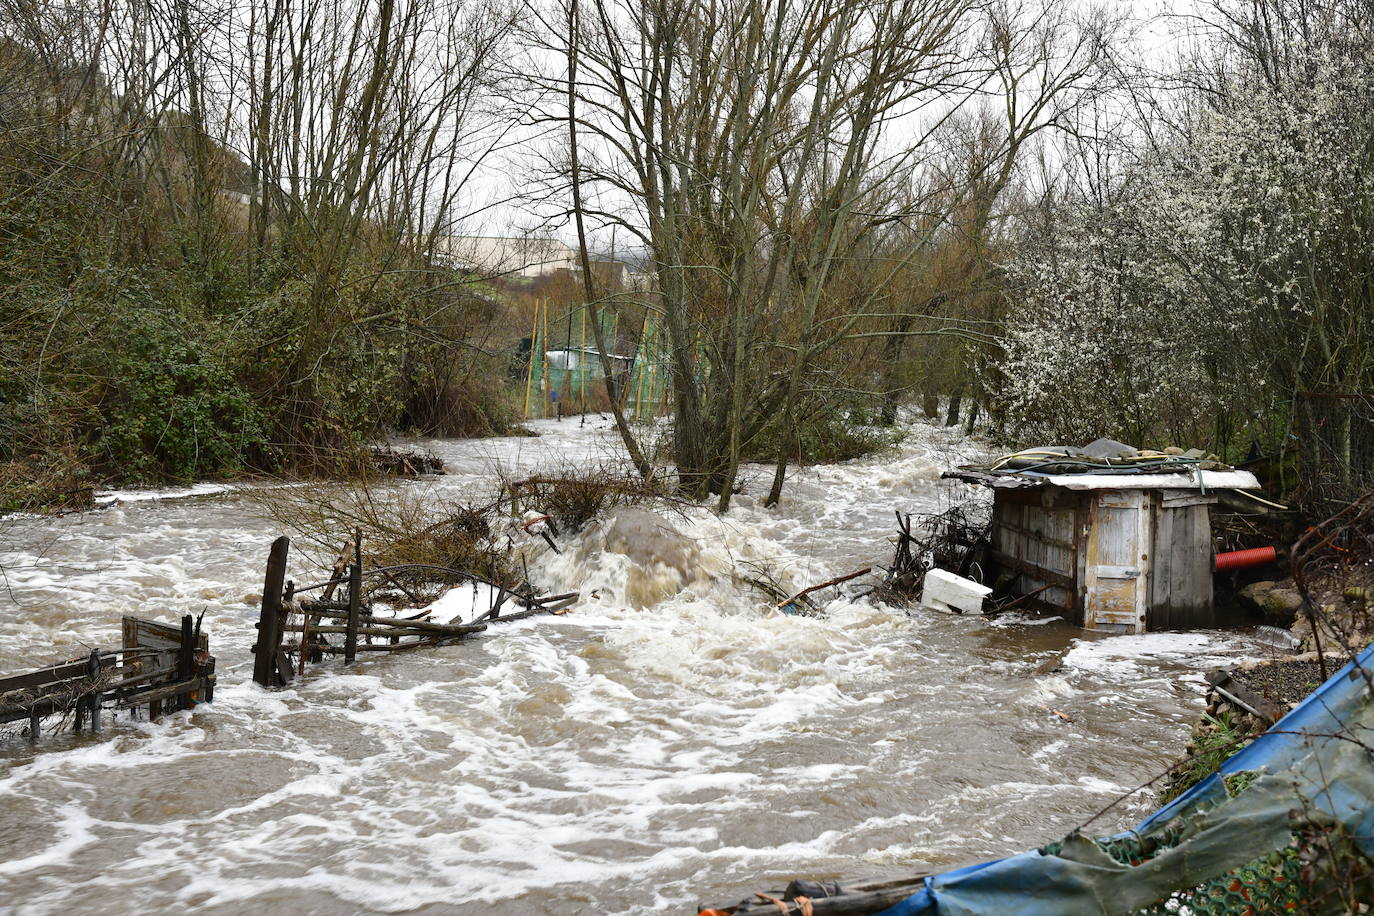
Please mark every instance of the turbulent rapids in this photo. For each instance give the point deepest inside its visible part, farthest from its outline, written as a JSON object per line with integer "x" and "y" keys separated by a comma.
{"x": 667, "y": 742}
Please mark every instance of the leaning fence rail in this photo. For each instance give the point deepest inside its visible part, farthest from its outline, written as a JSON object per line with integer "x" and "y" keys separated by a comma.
{"x": 159, "y": 666}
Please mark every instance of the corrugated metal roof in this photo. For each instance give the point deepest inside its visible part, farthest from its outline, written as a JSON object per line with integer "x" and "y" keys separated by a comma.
{"x": 1192, "y": 480}
{"x": 1211, "y": 480}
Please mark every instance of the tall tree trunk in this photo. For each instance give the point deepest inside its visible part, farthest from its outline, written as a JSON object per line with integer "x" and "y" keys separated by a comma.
{"x": 955, "y": 401}
{"x": 930, "y": 399}
{"x": 588, "y": 286}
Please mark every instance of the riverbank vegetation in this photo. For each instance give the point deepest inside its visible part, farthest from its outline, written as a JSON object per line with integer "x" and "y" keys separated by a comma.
{"x": 1209, "y": 268}
{"x": 232, "y": 229}
{"x": 219, "y": 233}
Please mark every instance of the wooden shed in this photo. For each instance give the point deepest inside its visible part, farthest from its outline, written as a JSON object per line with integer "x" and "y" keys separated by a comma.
{"x": 1125, "y": 553}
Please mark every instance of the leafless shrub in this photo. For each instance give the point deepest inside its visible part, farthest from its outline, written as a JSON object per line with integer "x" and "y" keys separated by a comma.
{"x": 1333, "y": 569}
{"x": 422, "y": 540}
{"x": 399, "y": 526}
{"x": 572, "y": 497}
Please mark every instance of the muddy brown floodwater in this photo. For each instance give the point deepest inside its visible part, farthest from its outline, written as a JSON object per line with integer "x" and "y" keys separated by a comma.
{"x": 664, "y": 744}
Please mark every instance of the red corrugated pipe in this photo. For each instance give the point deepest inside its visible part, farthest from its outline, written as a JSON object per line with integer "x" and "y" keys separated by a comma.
{"x": 1240, "y": 559}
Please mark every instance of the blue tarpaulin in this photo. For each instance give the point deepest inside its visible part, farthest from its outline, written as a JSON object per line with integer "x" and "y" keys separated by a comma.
{"x": 1312, "y": 769}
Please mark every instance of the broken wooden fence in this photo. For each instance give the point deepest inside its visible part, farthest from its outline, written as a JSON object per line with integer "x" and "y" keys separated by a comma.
{"x": 326, "y": 618}
{"x": 158, "y": 666}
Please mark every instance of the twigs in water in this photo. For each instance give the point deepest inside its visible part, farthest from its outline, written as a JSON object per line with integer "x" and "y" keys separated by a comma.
{"x": 1338, "y": 544}
{"x": 950, "y": 540}
{"x": 826, "y": 584}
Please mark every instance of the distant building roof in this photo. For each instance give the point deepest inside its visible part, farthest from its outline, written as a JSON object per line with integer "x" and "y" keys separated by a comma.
{"x": 519, "y": 256}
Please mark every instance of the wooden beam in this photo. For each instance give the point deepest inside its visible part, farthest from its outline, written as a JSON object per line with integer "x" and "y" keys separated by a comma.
{"x": 359, "y": 631}
{"x": 155, "y": 696}
{"x": 1032, "y": 569}
{"x": 67, "y": 671}
{"x": 355, "y": 599}
{"x": 186, "y": 653}
{"x": 269, "y": 619}
{"x": 1034, "y": 535}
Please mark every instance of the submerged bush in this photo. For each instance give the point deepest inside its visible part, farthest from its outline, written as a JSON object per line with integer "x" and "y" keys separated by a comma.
{"x": 833, "y": 429}
{"x": 573, "y": 497}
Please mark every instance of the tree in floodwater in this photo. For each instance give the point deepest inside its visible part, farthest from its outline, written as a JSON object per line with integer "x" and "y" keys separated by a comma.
{"x": 757, "y": 149}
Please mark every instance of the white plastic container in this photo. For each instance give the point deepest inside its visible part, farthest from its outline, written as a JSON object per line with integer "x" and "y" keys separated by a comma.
{"x": 944, "y": 591}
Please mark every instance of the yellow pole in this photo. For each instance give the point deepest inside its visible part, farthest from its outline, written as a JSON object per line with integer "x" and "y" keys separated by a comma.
{"x": 543, "y": 401}
{"x": 529, "y": 368}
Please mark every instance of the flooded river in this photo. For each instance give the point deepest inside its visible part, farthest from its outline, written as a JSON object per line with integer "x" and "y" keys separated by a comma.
{"x": 668, "y": 742}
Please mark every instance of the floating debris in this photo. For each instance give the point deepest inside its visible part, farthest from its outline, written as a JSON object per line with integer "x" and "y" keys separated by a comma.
{"x": 159, "y": 666}
{"x": 323, "y": 621}
{"x": 944, "y": 591}
{"x": 400, "y": 462}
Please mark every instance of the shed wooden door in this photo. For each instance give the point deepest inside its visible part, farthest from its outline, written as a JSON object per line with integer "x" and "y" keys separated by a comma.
{"x": 1181, "y": 571}
{"x": 1116, "y": 564}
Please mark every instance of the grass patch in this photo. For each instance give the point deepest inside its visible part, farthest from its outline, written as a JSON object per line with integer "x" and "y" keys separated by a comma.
{"x": 1217, "y": 740}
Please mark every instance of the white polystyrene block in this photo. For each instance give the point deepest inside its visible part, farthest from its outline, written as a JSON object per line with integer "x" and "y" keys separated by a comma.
{"x": 944, "y": 591}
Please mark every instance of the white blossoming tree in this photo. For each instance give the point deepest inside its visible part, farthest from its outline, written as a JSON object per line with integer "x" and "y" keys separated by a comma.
{"x": 1229, "y": 274}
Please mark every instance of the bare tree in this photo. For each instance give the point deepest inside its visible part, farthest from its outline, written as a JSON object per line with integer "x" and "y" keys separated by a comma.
{"x": 754, "y": 147}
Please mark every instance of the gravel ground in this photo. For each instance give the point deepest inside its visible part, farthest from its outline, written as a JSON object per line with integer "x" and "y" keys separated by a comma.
{"x": 1284, "y": 682}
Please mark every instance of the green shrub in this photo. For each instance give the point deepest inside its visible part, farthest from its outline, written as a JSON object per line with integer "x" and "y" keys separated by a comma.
{"x": 1210, "y": 747}
{"x": 172, "y": 406}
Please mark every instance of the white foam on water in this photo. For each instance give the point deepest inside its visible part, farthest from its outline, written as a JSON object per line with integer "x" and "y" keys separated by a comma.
{"x": 1021, "y": 619}
{"x": 1049, "y": 750}
{"x": 666, "y": 742}
{"x": 72, "y": 833}
{"x": 109, "y": 497}
{"x": 462, "y": 603}
{"x": 1119, "y": 657}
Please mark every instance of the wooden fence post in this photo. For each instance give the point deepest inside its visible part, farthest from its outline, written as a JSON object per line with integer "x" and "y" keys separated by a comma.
{"x": 94, "y": 667}
{"x": 269, "y": 621}
{"x": 355, "y": 598}
{"x": 186, "y": 657}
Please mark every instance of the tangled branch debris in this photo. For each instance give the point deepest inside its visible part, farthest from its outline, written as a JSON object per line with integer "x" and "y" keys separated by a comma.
{"x": 951, "y": 540}
{"x": 572, "y": 497}
{"x": 1333, "y": 564}
{"x": 404, "y": 462}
